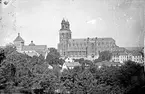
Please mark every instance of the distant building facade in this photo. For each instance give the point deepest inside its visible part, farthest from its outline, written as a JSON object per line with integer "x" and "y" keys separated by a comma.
{"x": 83, "y": 47}
{"x": 125, "y": 56}
{"x": 31, "y": 49}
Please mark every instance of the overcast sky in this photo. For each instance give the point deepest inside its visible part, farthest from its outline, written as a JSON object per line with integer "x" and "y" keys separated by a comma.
{"x": 40, "y": 20}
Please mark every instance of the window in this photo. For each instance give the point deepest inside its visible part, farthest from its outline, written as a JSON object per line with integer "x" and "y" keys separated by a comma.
{"x": 70, "y": 44}
{"x": 73, "y": 44}
{"x": 92, "y": 45}
{"x": 98, "y": 43}
{"x": 62, "y": 34}
{"x": 76, "y": 44}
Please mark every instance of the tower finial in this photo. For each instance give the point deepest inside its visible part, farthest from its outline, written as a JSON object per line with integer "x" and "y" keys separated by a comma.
{"x": 63, "y": 18}
{"x": 18, "y": 34}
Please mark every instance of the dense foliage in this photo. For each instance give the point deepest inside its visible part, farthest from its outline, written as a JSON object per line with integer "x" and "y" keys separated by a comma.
{"x": 22, "y": 74}
{"x": 53, "y": 57}
{"x": 104, "y": 56}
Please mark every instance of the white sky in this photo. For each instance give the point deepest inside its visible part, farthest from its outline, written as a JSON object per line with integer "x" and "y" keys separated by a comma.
{"x": 39, "y": 20}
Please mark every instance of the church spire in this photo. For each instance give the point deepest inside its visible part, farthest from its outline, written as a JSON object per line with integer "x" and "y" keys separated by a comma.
{"x": 19, "y": 38}
{"x": 18, "y": 34}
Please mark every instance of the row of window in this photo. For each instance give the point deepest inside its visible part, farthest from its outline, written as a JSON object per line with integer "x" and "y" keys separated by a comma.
{"x": 77, "y": 53}
{"x": 84, "y": 45}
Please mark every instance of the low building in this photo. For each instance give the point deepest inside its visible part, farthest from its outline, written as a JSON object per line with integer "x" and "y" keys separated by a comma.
{"x": 125, "y": 56}
{"x": 31, "y": 49}
{"x": 70, "y": 64}
{"x": 107, "y": 63}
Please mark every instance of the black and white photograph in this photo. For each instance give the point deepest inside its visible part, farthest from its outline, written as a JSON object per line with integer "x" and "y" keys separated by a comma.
{"x": 72, "y": 46}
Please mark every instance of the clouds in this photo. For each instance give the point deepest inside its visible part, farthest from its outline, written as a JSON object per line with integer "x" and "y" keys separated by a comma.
{"x": 92, "y": 21}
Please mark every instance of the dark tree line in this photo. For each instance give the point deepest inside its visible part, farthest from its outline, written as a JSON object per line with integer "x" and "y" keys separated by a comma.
{"x": 22, "y": 74}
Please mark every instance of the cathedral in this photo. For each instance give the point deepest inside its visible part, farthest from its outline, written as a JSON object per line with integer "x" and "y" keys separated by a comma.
{"x": 83, "y": 47}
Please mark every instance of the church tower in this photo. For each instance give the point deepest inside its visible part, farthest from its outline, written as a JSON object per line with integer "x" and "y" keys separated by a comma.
{"x": 19, "y": 42}
{"x": 64, "y": 36}
{"x": 64, "y": 32}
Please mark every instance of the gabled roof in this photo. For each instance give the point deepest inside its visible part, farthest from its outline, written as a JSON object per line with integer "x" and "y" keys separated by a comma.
{"x": 119, "y": 53}
{"x": 36, "y": 48}
{"x": 106, "y": 39}
{"x": 34, "y": 53}
{"x": 19, "y": 38}
{"x": 134, "y": 48}
{"x": 136, "y": 53}
{"x": 41, "y": 49}
{"x": 107, "y": 63}
{"x": 72, "y": 64}
{"x": 93, "y": 39}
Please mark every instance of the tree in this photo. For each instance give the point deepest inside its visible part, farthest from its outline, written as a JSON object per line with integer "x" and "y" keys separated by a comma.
{"x": 131, "y": 77}
{"x": 105, "y": 55}
{"x": 2, "y": 55}
{"x": 9, "y": 49}
{"x": 54, "y": 52}
{"x": 53, "y": 60}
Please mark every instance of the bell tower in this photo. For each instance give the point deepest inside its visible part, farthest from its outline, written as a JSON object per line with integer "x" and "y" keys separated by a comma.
{"x": 64, "y": 36}
{"x": 19, "y": 42}
{"x": 64, "y": 32}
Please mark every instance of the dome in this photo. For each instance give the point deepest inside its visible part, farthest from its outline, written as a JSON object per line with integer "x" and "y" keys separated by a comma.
{"x": 31, "y": 44}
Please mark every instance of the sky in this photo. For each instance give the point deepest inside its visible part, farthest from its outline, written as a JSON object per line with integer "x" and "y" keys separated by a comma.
{"x": 40, "y": 20}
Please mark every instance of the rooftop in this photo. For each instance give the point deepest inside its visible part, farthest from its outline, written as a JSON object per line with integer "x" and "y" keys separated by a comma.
{"x": 91, "y": 39}
{"x": 19, "y": 38}
{"x": 35, "y": 47}
{"x": 72, "y": 64}
{"x": 107, "y": 63}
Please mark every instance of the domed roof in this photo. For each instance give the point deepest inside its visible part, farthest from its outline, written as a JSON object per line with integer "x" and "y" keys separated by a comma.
{"x": 18, "y": 38}
{"x": 31, "y": 44}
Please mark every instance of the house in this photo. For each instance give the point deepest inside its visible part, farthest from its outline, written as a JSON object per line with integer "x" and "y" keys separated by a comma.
{"x": 137, "y": 57}
{"x": 107, "y": 63}
{"x": 127, "y": 55}
{"x": 70, "y": 64}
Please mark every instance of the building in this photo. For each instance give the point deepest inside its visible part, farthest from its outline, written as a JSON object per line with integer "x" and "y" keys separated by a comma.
{"x": 70, "y": 64}
{"x": 83, "y": 47}
{"x": 31, "y": 49}
{"x": 125, "y": 56}
{"x": 107, "y": 63}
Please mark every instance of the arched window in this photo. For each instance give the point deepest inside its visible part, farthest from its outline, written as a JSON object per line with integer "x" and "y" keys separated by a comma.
{"x": 62, "y": 34}
{"x": 92, "y": 45}
{"x": 70, "y": 44}
{"x": 73, "y": 44}
{"x": 98, "y": 43}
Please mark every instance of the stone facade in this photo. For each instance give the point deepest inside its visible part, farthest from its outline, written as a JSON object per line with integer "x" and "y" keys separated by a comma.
{"x": 125, "y": 56}
{"x": 83, "y": 47}
{"x": 31, "y": 49}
